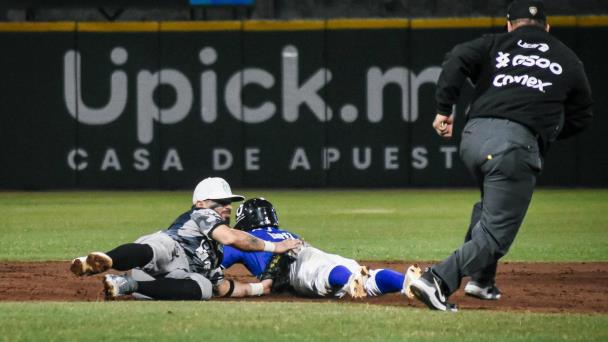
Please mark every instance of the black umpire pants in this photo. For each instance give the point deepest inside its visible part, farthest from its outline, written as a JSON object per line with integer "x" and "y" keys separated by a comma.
{"x": 504, "y": 158}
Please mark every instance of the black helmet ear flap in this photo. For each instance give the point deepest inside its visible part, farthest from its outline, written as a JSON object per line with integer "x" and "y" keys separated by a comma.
{"x": 240, "y": 217}
{"x": 255, "y": 213}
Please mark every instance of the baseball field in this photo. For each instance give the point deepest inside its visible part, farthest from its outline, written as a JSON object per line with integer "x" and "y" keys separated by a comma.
{"x": 554, "y": 280}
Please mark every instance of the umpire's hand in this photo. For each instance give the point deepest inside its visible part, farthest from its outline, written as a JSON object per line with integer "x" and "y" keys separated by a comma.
{"x": 443, "y": 125}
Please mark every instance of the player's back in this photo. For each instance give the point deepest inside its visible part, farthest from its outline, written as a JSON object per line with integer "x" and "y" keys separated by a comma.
{"x": 273, "y": 234}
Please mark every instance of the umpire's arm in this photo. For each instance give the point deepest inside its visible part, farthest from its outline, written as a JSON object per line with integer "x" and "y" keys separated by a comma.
{"x": 466, "y": 60}
{"x": 577, "y": 107}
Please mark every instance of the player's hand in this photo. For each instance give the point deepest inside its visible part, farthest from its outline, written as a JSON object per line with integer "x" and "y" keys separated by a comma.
{"x": 443, "y": 125}
{"x": 267, "y": 283}
{"x": 287, "y": 245}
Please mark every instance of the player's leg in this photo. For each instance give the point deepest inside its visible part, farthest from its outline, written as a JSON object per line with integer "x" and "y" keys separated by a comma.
{"x": 354, "y": 285}
{"x": 122, "y": 258}
{"x": 338, "y": 276}
{"x": 382, "y": 281}
{"x": 193, "y": 287}
{"x": 310, "y": 274}
{"x": 352, "y": 281}
{"x": 174, "y": 283}
{"x": 131, "y": 255}
{"x": 178, "y": 285}
{"x": 174, "y": 289}
{"x": 303, "y": 273}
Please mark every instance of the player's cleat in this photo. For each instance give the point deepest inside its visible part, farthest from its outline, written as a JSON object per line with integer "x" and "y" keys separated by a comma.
{"x": 95, "y": 262}
{"x": 117, "y": 285}
{"x": 487, "y": 292}
{"x": 428, "y": 290}
{"x": 356, "y": 283}
{"x": 412, "y": 273}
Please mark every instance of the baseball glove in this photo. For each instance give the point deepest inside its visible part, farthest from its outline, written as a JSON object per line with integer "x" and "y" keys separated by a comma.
{"x": 278, "y": 270}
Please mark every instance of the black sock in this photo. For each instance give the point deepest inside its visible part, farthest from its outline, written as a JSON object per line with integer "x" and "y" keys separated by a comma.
{"x": 130, "y": 255}
{"x": 171, "y": 289}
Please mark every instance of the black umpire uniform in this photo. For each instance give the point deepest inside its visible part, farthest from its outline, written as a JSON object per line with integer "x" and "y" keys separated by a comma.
{"x": 530, "y": 89}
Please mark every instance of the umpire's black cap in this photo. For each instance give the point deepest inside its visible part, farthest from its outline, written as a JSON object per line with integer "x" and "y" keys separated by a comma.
{"x": 530, "y": 9}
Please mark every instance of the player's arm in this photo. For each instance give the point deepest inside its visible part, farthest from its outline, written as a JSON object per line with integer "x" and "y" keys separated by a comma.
{"x": 247, "y": 242}
{"x": 235, "y": 289}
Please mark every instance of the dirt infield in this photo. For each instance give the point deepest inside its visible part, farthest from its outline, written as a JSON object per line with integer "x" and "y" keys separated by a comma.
{"x": 537, "y": 287}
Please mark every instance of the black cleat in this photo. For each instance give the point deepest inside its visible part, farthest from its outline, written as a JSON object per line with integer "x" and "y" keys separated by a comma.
{"x": 428, "y": 290}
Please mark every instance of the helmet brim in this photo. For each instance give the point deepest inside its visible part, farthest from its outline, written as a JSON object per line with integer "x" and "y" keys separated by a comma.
{"x": 233, "y": 198}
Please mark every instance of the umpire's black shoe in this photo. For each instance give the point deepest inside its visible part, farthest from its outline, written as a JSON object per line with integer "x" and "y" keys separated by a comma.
{"x": 428, "y": 290}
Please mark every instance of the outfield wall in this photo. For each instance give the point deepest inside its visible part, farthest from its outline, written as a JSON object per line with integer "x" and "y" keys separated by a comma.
{"x": 340, "y": 103}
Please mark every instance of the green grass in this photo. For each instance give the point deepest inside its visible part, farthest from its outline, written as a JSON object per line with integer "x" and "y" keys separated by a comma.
{"x": 562, "y": 225}
{"x": 220, "y": 321}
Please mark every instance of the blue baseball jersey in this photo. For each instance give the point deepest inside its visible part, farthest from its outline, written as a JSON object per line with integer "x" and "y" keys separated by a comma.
{"x": 256, "y": 262}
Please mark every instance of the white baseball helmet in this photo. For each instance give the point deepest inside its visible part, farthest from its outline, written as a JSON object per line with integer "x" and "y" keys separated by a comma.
{"x": 214, "y": 188}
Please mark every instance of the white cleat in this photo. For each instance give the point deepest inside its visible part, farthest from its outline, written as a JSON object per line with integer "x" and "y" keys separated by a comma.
{"x": 487, "y": 292}
{"x": 95, "y": 262}
{"x": 116, "y": 285}
{"x": 356, "y": 283}
{"x": 412, "y": 273}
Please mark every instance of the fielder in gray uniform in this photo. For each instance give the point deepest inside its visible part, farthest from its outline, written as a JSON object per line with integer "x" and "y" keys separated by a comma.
{"x": 183, "y": 262}
{"x": 530, "y": 90}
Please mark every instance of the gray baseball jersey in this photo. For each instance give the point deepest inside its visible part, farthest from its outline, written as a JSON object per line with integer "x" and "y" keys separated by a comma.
{"x": 192, "y": 230}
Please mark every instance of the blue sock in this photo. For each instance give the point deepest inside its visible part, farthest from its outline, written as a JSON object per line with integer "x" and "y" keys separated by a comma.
{"x": 338, "y": 276}
{"x": 389, "y": 281}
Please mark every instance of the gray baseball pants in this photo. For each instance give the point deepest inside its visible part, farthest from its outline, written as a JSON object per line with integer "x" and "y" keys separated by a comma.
{"x": 504, "y": 158}
{"x": 170, "y": 261}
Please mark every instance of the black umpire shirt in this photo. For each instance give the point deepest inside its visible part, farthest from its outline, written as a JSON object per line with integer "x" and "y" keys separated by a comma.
{"x": 527, "y": 76}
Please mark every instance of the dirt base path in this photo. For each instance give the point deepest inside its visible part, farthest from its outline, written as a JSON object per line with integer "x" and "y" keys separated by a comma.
{"x": 537, "y": 287}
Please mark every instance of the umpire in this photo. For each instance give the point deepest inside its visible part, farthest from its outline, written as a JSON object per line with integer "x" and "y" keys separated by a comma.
{"x": 530, "y": 89}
